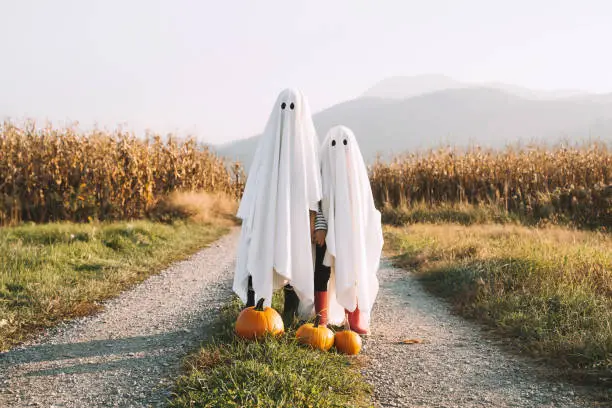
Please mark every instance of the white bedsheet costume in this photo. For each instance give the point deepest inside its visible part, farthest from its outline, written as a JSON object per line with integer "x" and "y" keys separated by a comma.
{"x": 283, "y": 184}
{"x": 354, "y": 236}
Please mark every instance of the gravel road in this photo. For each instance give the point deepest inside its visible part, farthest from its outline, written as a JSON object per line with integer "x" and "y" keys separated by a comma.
{"x": 127, "y": 355}
{"x": 455, "y": 366}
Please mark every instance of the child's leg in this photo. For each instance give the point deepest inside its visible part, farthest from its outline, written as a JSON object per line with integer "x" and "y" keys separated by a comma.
{"x": 321, "y": 280}
{"x": 250, "y": 294}
{"x": 322, "y": 272}
{"x": 292, "y": 301}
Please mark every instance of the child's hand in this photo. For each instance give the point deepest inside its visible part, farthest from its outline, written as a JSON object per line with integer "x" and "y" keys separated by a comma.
{"x": 319, "y": 237}
{"x": 312, "y": 225}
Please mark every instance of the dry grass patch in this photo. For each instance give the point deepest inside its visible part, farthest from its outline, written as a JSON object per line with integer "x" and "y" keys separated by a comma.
{"x": 199, "y": 207}
{"x": 549, "y": 289}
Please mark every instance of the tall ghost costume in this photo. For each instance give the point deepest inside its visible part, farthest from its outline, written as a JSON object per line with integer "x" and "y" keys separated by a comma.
{"x": 354, "y": 232}
{"x": 283, "y": 186}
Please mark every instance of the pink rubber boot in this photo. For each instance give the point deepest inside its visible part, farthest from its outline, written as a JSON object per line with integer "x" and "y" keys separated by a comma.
{"x": 356, "y": 323}
{"x": 321, "y": 303}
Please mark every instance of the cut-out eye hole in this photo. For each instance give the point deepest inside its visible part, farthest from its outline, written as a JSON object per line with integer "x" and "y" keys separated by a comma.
{"x": 292, "y": 106}
{"x": 283, "y": 105}
{"x": 345, "y": 142}
{"x": 333, "y": 142}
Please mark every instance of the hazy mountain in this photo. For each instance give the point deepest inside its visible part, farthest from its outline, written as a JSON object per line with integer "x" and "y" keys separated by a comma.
{"x": 459, "y": 117}
{"x": 596, "y": 98}
{"x": 241, "y": 150}
{"x": 409, "y": 86}
{"x": 403, "y": 87}
{"x": 535, "y": 93}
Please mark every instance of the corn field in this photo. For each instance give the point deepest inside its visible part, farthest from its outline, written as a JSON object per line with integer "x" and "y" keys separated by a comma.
{"x": 574, "y": 184}
{"x": 60, "y": 174}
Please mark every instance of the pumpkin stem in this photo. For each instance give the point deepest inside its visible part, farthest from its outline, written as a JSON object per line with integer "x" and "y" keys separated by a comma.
{"x": 259, "y": 305}
{"x": 317, "y": 320}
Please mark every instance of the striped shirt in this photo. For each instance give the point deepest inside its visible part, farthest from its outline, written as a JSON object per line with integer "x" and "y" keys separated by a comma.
{"x": 320, "y": 222}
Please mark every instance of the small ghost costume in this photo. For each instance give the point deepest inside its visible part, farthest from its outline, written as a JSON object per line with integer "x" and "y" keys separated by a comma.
{"x": 283, "y": 185}
{"x": 354, "y": 233}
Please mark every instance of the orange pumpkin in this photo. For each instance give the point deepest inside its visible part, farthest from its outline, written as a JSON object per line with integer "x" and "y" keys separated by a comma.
{"x": 256, "y": 321}
{"x": 319, "y": 337}
{"x": 348, "y": 342}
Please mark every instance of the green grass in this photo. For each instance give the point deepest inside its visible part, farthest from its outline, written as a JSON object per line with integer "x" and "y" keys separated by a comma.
{"x": 230, "y": 372}
{"x": 53, "y": 272}
{"x": 548, "y": 289}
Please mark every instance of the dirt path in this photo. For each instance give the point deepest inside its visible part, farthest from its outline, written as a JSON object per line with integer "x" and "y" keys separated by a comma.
{"x": 127, "y": 355}
{"x": 456, "y": 366}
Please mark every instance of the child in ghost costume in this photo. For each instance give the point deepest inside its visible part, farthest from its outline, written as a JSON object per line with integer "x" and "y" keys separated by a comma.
{"x": 354, "y": 238}
{"x": 277, "y": 210}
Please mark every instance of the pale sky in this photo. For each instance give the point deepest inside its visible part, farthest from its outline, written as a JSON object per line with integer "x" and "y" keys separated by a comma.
{"x": 212, "y": 69}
